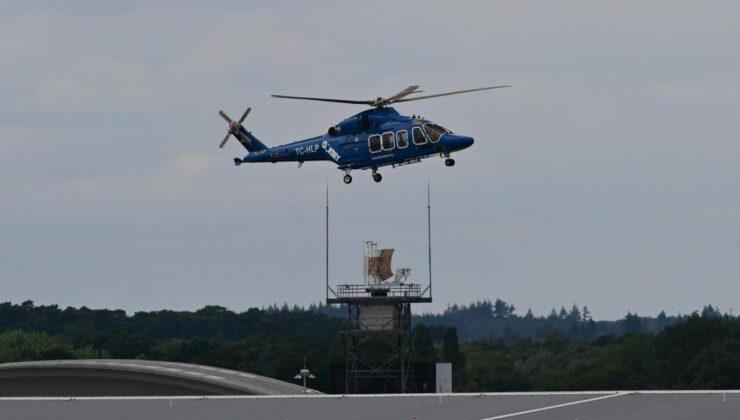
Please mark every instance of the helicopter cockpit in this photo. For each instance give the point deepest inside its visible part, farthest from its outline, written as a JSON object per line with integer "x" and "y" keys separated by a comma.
{"x": 435, "y": 131}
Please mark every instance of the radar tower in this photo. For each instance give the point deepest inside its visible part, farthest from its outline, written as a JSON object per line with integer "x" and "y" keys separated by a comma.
{"x": 377, "y": 334}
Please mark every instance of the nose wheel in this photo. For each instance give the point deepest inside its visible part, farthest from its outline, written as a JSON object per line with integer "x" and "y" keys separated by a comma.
{"x": 347, "y": 179}
{"x": 449, "y": 162}
{"x": 377, "y": 177}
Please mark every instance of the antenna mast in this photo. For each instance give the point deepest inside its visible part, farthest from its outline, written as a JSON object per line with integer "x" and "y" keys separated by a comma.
{"x": 429, "y": 233}
{"x": 327, "y": 240}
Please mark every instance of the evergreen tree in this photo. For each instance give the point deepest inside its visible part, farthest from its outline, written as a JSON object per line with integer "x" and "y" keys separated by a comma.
{"x": 661, "y": 321}
{"x": 632, "y": 323}
{"x": 451, "y": 346}
{"x": 586, "y": 314}
{"x": 500, "y": 309}
{"x": 422, "y": 344}
{"x": 710, "y": 311}
{"x": 563, "y": 313}
{"x": 451, "y": 353}
{"x": 575, "y": 313}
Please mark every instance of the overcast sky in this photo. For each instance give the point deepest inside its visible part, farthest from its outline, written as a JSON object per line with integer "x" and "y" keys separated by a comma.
{"x": 606, "y": 176}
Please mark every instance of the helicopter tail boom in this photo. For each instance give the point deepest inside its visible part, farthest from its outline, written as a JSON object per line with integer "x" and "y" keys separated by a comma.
{"x": 249, "y": 141}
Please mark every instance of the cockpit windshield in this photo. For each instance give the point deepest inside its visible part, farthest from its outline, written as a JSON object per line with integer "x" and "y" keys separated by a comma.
{"x": 434, "y": 131}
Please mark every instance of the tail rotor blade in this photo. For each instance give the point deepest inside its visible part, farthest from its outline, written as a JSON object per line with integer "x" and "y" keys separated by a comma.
{"x": 223, "y": 142}
{"x": 244, "y": 116}
{"x": 224, "y": 116}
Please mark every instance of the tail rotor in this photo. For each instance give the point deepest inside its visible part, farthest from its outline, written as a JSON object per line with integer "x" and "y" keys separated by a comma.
{"x": 235, "y": 128}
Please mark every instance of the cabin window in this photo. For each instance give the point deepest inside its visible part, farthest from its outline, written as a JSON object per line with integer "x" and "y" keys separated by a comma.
{"x": 402, "y": 139}
{"x": 374, "y": 142}
{"x": 434, "y": 132}
{"x": 388, "y": 142}
{"x": 418, "y": 135}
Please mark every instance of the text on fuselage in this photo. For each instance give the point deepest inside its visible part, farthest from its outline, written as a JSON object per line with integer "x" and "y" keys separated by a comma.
{"x": 330, "y": 150}
{"x": 303, "y": 150}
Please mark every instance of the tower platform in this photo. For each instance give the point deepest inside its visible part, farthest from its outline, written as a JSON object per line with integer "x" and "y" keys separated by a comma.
{"x": 391, "y": 293}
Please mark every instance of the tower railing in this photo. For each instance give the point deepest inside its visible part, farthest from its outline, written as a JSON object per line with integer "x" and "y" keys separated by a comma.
{"x": 398, "y": 290}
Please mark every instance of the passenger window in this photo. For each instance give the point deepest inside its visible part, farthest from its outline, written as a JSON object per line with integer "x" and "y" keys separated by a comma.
{"x": 402, "y": 139}
{"x": 418, "y": 136}
{"x": 374, "y": 142}
{"x": 388, "y": 142}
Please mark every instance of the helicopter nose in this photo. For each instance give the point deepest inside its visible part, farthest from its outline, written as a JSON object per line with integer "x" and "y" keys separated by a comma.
{"x": 458, "y": 142}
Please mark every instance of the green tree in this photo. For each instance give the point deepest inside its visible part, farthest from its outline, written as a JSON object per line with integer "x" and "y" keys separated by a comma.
{"x": 563, "y": 313}
{"x": 574, "y": 314}
{"x": 586, "y": 314}
{"x": 422, "y": 344}
{"x": 632, "y": 323}
{"x": 451, "y": 354}
{"x": 710, "y": 310}
{"x": 18, "y": 346}
{"x": 451, "y": 346}
{"x": 500, "y": 309}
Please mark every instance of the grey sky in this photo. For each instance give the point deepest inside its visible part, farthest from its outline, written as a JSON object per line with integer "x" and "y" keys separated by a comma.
{"x": 607, "y": 176}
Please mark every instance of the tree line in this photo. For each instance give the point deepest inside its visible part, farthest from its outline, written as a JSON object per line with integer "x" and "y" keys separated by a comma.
{"x": 491, "y": 348}
{"x": 699, "y": 352}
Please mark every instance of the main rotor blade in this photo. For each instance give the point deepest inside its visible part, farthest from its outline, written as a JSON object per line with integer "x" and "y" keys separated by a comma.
{"x": 244, "y": 115}
{"x": 408, "y": 91}
{"x": 224, "y": 116}
{"x": 341, "y": 101}
{"x": 223, "y": 142}
{"x": 416, "y": 98}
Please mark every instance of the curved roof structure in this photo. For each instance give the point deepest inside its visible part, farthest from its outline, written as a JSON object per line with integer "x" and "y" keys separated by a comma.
{"x": 107, "y": 377}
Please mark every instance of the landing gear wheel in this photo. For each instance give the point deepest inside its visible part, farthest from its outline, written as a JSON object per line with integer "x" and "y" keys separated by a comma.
{"x": 450, "y": 162}
{"x": 347, "y": 179}
{"x": 377, "y": 177}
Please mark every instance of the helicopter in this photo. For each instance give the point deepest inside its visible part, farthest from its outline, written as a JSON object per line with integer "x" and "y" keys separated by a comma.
{"x": 377, "y": 137}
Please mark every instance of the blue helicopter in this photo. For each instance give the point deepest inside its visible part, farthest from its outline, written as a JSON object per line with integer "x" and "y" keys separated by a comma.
{"x": 374, "y": 138}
